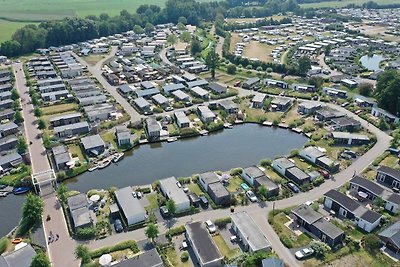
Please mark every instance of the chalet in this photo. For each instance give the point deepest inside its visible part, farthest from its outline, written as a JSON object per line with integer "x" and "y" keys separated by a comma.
{"x": 288, "y": 169}
{"x": 8, "y": 143}
{"x": 9, "y": 161}
{"x": 5, "y": 87}
{"x": 170, "y": 190}
{"x": 65, "y": 119}
{"x": 69, "y": 130}
{"x": 169, "y": 88}
{"x": 142, "y": 104}
{"x": 258, "y": 100}
{"x": 126, "y": 89}
{"x": 181, "y": 119}
{"x": 55, "y": 96}
{"x": 123, "y": 135}
{"x": 112, "y": 78}
{"x": 228, "y": 106}
{"x": 8, "y": 129}
{"x": 251, "y": 83}
{"x": 381, "y": 113}
{"x": 205, "y": 114}
{"x": 218, "y": 88}
{"x": 388, "y": 176}
{"x": 61, "y": 157}
{"x": 5, "y": 95}
{"x": 313, "y": 155}
{"x": 303, "y": 88}
{"x": 147, "y": 93}
{"x": 7, "y": 114}
{"x": 92, "y": 100}
{"x": 281, "y": 104}
{"x": 374, "y": 191}
{"x": 391, "y": 237}
{"x": 153, "y": 128}
{"x": 199, "y": 92}
{"x": 348, "y": 124}
{"x": 255, "y": 177}
{"x": 348, "y": 208}
{"x": 327, "y": 114}
{"x": 275, "y": 83}
{"x": 197, "y": 83}
{"x": 93, "y": 145}
{"x": 181, "y": 96}
{"x": 344, "y": 138}
{"x": 314, "y": 222}
{"x": 5, "y": 104}
{"x": 308, "y": 108}
{"x": 364, "y": 102}
{"x": 333, "y": 92}
{"x": 131, "y": 209}
{"x": 160, "y": 100}
{"x": 211, "y": 184}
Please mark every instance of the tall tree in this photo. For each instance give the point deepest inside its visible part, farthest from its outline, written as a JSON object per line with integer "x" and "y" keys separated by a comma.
{"x": 41, "y": 124}
{"x": 303, "y": 66}
{"x": 40, "y": 260}
{"x": 18, "y": 118}
{"x": 32, "y": 210}
{"x": 152, "y": 231}
{"x": 82, "y": 252}
{"x": 62, "y": 193}
{"x": 172, "y": 39}
{"x": 21, "y": 145}
{"x": 185, "y": 36}
{"x": 388, "y": 91}
{"x": 212, "y": 61}
{"x": 171, "y": 206}
{"x": 195, "y": 46}
{"x": 14, "y": 94}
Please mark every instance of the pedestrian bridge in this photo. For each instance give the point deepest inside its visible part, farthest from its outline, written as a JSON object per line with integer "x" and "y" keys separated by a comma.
{"x": 44, "y": 182}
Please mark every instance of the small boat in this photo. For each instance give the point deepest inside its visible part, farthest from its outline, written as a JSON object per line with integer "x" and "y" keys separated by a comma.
{"x": 117, "y": 157}
{"x": 104, "y": 164}
{"x": 16, "y": 240}
{"x": 20, "y": 190}
{"x": 172, "y": 139}
{"x": 228, "y": 126}
{"x": 3, "y": 194}
{"x": 93, "y": 168}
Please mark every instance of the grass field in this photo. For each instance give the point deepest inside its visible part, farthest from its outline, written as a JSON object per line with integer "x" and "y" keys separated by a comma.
{"x": 7, "y": 28}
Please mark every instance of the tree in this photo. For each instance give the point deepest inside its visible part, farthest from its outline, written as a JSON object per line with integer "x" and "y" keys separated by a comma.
{"x": 231, "y": 69}
{"x": 171, "y": 206}
{"x": 185, "y": 36}
{"x": 148, "y": 28}
{"x": 152, "y": 231}
{"x": 32, "y": 210}
{"x": 388, "y": 91}
{"x": 14, "y": 94}
{"x": 383, "y": 125}
{"x": 172, "y": 39}
{"x": 262, "y": 190}
{"x": 10, "y": 48}
{"x": 62, "y": 193}
{"x": 316, "y": 81}
{"x": 328, "y": 50}
{"x": 365, "y": 89}
{"x": 303, "y": 66}
{"x": 18, "y": 117}
{"x": 371, "y": 243}
{"x": 37, "y": 112}
{"x": 40, "y": 260}
{"x": 320, "y": 249}
{"x": 41, "y": 124}
{"x": 21, "y": 145}
{"x": 82, "y": 252}
{"x": 138, "y": 29}
{"x": 195, "y": 46}
{"x": 379, "y": 202}
{"x": 181, "y": 26}
{"x": 182, "y": 20}
{"x": 212, "y": 61}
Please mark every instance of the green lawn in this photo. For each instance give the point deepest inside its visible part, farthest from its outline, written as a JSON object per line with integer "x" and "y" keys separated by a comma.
{"x": 62, "y": 108}
{"x": 391, "y": 161}
{"x": 7, "y": 28}
{"x": 174, "y": 259}
{"x": 152, "y": 198}
{"x": 223, "y": 247}
{"x": 234, "y": 184}
{"x": 195, "y": 188}
{"x": 76, "y": 150}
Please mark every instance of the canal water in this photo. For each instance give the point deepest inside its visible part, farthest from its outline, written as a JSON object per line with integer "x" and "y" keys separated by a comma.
{"x": 371, "y": 63}
{"x": 242, "y": 146}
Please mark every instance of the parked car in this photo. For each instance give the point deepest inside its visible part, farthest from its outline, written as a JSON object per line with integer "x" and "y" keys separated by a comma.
{"x": 304, "y": 253}
{"x": 164, "y": 211}
{"x": 324, "y": 173}
{"x": 251, "y": 196}
{"x": 188, "y": 104}
{"x": 139, "y": 195}
{"x": 134, "y": 194}
{"x": 293, "y": 187}
{"x": 203, "y": 201}
{"x": 237, "y": 83}
{"x": 345, "y": 104}
{"x": 211, "y": 226}
{"x": 178, "y": 184}
{"x": 118, "y": 226}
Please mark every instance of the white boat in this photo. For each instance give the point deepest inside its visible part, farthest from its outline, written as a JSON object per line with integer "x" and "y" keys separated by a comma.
{"x": 228, "y": 126}
{"x": 93, "y": 168}
{"x": 172, "y": 139}
{"x": 117, "y": 157}
{"x": 3, "y": 194}
{"x": 104, "y": 163}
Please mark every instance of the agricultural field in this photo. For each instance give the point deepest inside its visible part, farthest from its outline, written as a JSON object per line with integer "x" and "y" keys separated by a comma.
{"x": 343, "y": 3}
{"x": 7, "y": 28}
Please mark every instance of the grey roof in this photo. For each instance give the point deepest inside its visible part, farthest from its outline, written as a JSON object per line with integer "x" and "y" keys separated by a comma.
{"x": 328, "y": 228}
{"x": 149, "y": 258}
{"x": 126, "y": 88}
{"x": 284, "y": 162}
{"x": 152, "y": 124}
{"x": 92, "y": 141}
{"x": 267, "y": 183}
{"x": 181, "y": 117}
{"x": 129, "y": 205}
{"x": 9, "y": 158}
{"x": 345, "y": 121}
{"x": 228, "y": 104}
{"x": 209, "y": 177}
{"x": 18, "y": 258}
{"x": 67, "y": 116}
{"x": 393, "y": 233}
{"x": 330, "y": 113}
{"x": 147, "y": 85}
{"x": 197, "y": 83}
{"x": 199, "y": 91}
{"x": 206, "y": 112}
{"x": 160, "y": 99}
{"x": 93, "y": 99}
{"x": 218, "y": 88}
{"x": 147, "y": 92}
{"x": 179, "y": 94}
{"x": 346, "y": 135}
{"x": 203, "y": 243}
{"x": 250, "y": 230}
{"x": 306, "y": 213}
{"x": 272, "y": 262}
{"x": 78, "y": 125}
{"x": 81, "y": 217}
{"x": 77, "y": 201}
{"x": 253, "y": 171}
{"x": 370, "y": 216}
{"x": 173, "y": 87}
{"x": 369, "y": 185}
{"x": 390, "y": 171}
{"x": 343, "y": 200}
{"x": 259, "y": 97}
{"x": 8, "y": 126}
{"x": 141, "y": 102}
{"x": 309, "y": 105}
{"x": 170, "y": 188}
{"x": 252, "y": 81}
{"x": 313, "y": 152}
{"x": 327, "y": 161}
{"x": 189, "y": 77}
{"x": 61, "y": 154}
{"x": 281, "y": 101}
{"x": 218, "y": 190}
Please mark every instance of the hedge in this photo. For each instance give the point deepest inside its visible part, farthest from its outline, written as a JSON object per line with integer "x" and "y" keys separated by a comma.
{"x": 3, "y": 244}
{"x": 176, "y": 231}
{"x": 222, "y": 222}
{"x": 130, "y": 244}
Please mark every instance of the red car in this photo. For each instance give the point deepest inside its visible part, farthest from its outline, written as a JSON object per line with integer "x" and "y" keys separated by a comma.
{"x": 324, "y": 173}
{"x": 237, "y": 84}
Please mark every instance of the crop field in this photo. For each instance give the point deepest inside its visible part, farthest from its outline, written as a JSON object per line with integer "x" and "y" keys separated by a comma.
{"x": 343, "y": 3}
{"x": 7, "y": 28}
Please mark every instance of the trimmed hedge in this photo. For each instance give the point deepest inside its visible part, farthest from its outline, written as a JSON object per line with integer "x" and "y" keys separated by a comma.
{"x": 130, "y": 244}
{"x": 3, "y": 244}
{"x": 222, "y": 222}
{"x": 176, "y": 231}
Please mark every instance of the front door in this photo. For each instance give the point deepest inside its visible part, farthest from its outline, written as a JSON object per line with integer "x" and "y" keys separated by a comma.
{"x": 396, "y": 184}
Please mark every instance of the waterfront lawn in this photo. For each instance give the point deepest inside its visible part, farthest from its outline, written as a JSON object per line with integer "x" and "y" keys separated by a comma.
{"x": 287, "y": 237}
{"x": 223, "y": 247}
{"x": 76, "y": 151}
{"x": 195, "y": 188}
{"x": 275, "y": 177}
{"x": 61, "y": 108}
{"x": 15, "y": 178}
{"x": 109, "y": 137}
{"x": 302, "y": 164}
{"x": 234, "y": 184}
{"x": 153, "y": 200}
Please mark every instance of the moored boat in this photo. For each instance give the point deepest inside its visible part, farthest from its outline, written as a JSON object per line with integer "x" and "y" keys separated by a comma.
{"x": 93, "y": 168}
{"x": 172, "y": 139}
{"x": 20, "y": 190}
{"x": 104, "y": 163}
{"x": 117, "y": 157}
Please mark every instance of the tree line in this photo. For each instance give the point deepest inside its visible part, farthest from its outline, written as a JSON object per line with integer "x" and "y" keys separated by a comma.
{"x": 72, "y": 30}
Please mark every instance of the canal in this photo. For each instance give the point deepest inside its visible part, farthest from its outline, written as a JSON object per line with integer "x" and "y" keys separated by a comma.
{"x": 241, "y": 146}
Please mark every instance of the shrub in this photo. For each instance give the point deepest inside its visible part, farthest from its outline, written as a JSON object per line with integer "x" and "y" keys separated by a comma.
{"x": 231, "y": 69}
{"x": 184, "y": 256}
{"x": 222, "y": 222}
{"x": 266, "y": 162}
{"x": 286, "y": 241}
{"x": 130, "y": 244}
{"x": 236, "y": 171}
{"x": 176, "y": 231}
{"x": 3, "y": 244}
{"x": 144, "y": 190}
{"x": 86, "y": 233}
